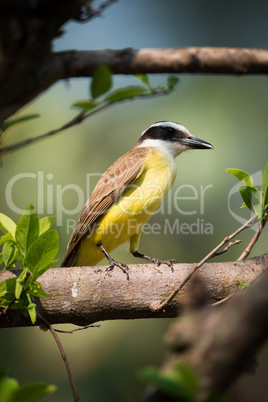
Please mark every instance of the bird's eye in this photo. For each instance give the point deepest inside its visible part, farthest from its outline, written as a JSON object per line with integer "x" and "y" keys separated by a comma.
{"x": 171, "y": 130}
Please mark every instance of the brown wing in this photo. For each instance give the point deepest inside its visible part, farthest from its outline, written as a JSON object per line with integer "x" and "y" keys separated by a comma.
{"x": 110, "y": 187}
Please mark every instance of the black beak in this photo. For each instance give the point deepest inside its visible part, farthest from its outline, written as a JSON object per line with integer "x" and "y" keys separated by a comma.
{"x": 196, "y": 143}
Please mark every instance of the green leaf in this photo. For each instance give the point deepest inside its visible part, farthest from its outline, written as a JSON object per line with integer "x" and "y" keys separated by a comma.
{"x": 36, "y": 290}
{"x": 19, "y": 288}
{"x": 240, "y": 283}
{"x": 174, "y": 383}
{"x": 40, "y": 256}
{"x": 7, "y": 387}
{"x": 152, "y": 376}
{"x": 172, "y": 81}
{"x": 27, "y": 230}
{"x": 126, "y": 93}
{"x": 9, "y": 253}
{"x": 19, "y": 119}
{"x": 7, "y": 237}
{"x": 20, "y": 283}
{"x": 45, "y": 223}
{"x": 32, "y": 312}
{"x": 264, "y": 189}
{"x": 7, "y": 289}
{"x": 29, "y": 392}
{"x": 7, "y": 225}
{"x": 144, "y": 79}
{"x": 101, "y": 81}
{"x": 85, "y": 105}
{"x": 249, "y": 192}
{"x": 242, "y": 176}
{"x": 251, "y": 198}
{"x": 188, "y": 376}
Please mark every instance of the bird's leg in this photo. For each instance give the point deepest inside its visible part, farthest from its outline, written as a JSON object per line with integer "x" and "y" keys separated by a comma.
{"x": 112, "y": 262}
{"x": 155, "y": 260}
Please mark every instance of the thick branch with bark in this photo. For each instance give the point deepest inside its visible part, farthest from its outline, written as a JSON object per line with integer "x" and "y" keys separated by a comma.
{"x": 28, "y": 66}
{"x": 27, "y": 29}
{"x": 53, "y": 67}
{"x": 201, "y": 60}
{"x": 83, "y": 295}
{"x": 219, "y": 342}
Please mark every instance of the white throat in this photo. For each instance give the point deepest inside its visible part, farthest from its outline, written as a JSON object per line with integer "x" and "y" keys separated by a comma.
{"x": 172, "y": 149}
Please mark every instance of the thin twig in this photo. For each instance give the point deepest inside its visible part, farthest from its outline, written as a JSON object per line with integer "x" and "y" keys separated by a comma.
{"x": 209, "y": 255}
{"x": 242, "y": 257}
{"x": 227, "y": 248}
{"x": 5, "y": 310}
{"x": 64, "y": 357}
{"x": 14, "y": 147}
{"x": 92, "y": 13}
{"x": 222, "y": 301}
{"x": 73, "y": 122}
{"x": 254, "y": 239}
{"x": 76, "y": 329}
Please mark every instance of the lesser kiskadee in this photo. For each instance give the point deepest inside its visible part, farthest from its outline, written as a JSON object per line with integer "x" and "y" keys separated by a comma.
{"x": 127, "y": 195}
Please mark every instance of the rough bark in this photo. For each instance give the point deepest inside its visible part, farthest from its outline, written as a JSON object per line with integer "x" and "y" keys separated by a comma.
{"x": 201, "y": 60}
{"x": 220, "y": 343}
{"x": 28, "y": 66}
{"x": 83, "y": 295}
{"x": 27, "y": 29}
{"x": 33, "y": 76}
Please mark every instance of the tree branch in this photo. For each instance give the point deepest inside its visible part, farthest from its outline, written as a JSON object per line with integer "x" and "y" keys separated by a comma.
{"x": 27, "y": 29}
{"x": 220, "y": 343}
{"x": 73, "y": 122}
{"x": 253, "y": 241}
{"x": 63, "y": 356}
{"x": 211, "y": 254}
{"x": 69, "y": 64}
{"x": 84, "y": 295}
{"x": 28, "y": 66}
{"x": 200, "y": 60}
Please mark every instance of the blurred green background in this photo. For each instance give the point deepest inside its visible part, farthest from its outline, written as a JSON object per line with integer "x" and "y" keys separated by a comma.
{"x": 230, "y": 112}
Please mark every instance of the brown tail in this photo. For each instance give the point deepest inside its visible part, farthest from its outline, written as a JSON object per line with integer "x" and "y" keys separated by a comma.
{"x": 70, "y": 258}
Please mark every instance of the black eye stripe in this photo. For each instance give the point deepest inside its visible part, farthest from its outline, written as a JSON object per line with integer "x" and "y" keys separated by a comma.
{"x": 171, "y": 130}
{"x": 170, "y": 133}
{"x": 165, "y": 132}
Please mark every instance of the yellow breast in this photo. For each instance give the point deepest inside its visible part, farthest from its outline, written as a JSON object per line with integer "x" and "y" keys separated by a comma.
{"x": 133, "y": 209}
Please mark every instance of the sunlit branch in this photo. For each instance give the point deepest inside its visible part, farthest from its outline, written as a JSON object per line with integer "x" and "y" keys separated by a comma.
{"x": 198, "y": 60}
{"x": 71, "y": 63}
{"x": 252, "y": 242}
{"x": 73, "y": 122}
{"x": 208, "y": 256}
{"x": 90, "y": 294}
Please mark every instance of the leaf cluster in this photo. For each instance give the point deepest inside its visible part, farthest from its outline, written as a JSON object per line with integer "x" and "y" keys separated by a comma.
{"x": 255, "y": 200}
{"x": 11, "y": 122}
{"x": 101, "y": 95}
{"x": 180, "y": 383}
{"x": 11, "y": 391}
{"x": 34, "y": 246}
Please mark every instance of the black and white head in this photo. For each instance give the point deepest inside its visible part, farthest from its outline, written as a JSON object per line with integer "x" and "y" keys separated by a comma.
{"x": 171, "y": 137}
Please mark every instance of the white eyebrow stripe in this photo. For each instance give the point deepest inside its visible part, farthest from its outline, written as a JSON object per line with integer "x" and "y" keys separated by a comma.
{"x": 176, "y": 126}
